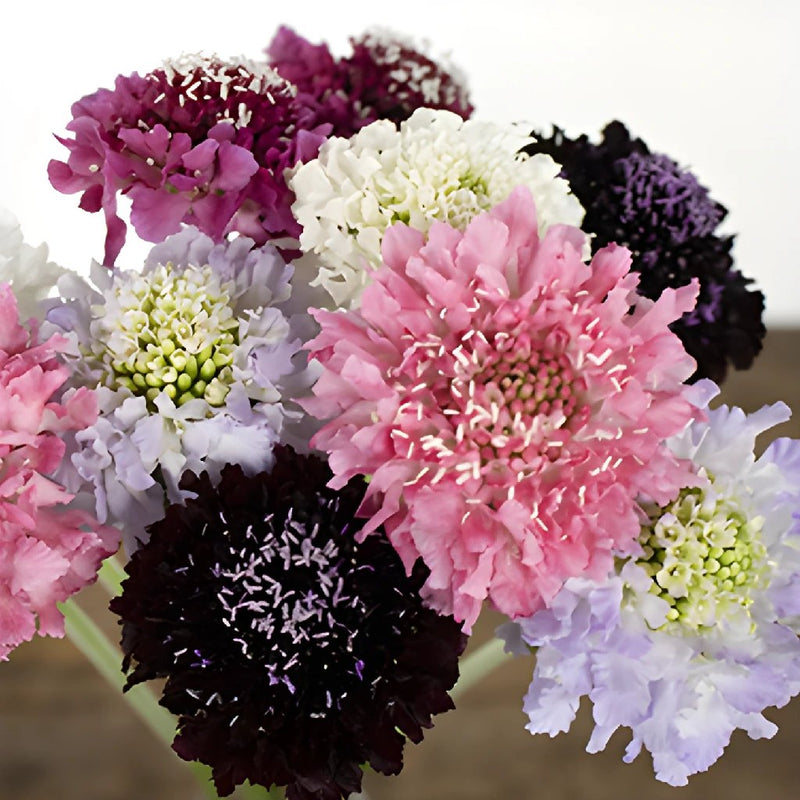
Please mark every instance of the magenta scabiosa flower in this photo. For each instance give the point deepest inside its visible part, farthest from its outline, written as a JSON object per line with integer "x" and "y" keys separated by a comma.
{"x": 660, "y": 211}
{"x": 293, "y": 653}
{"x": 508, "y": 402}
{"x": 199, "y": 141}
{"x": 386, "y": 77}
{"x": 695, "y": 633}
{"x": 48, "y": 548}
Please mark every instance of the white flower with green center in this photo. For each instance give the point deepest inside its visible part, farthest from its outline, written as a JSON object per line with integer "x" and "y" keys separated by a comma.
{"x": 31, "y": 275}
{"x": 196, "y": 361}
{"x": 694, "y": 635}
{"x": 169, "y": 330}
{"x": 435, "y": 167}
{"x": 704, "y": 555}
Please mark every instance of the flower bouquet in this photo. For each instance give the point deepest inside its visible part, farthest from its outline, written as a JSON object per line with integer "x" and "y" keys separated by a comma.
{"x": 385, "y": 366}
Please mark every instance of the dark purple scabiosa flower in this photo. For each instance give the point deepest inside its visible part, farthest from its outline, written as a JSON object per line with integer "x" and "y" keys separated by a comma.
{"x": 387, "y": 77}
{"x": 199, "y": 141}
{"x": 648, "y": 203}
{"x": 293, "y": 654}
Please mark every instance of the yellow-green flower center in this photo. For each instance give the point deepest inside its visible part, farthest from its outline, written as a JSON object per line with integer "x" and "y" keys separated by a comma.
{"x": 704, "y": 555}
{"x": 169, "y": 330}
{"x": 452, "y": 192}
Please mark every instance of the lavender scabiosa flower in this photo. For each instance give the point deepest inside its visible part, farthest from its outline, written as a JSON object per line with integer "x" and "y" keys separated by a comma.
{"x": 660, "y": 211}
{"x": 293, "y": 653}
{"x": 200, "y": 141}
{"x": 195, "y": 362}
{"x": 387, "y": 76}
{"x": 694, "y": 635}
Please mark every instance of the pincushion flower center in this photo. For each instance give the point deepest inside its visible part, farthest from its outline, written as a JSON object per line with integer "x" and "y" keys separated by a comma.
{"x": 510, "y": 402}
{"x": 704, "y": 555}
{"x": 453, "y": 191}
{"x": 285, "y": 622}
{"x": 172, "y": 331}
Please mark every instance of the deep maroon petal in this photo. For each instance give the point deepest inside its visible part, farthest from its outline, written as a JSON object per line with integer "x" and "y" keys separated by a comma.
{"x": 293, "y": 654}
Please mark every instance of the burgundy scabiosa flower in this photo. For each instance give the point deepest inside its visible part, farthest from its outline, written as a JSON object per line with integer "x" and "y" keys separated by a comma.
{"x": 386, "y": 77}
{"x": 293, "y": 653}
{"x": 200, "y": 141}
{"x": 508, "y": 400}
{"x": 648, "y": 203}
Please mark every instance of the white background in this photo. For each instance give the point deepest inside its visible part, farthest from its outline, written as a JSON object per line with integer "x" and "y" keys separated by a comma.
{"x": 712, "y": 83}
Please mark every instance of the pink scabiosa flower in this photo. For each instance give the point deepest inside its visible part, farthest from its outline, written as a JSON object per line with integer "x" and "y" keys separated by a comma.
{"x": 433, "y": 166}
{"x": 508, "y": 400}
{"x": 199, "y": 141}
{"x": 48, "y": 550}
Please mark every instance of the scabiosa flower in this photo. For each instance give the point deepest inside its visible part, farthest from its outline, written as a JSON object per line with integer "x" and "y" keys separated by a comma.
{"x": 508, "y": 401}
{"x": 48, "y": 549}
{"x": 648, "y": 203}
{"x": 199, "y": 141}
{"x": 694, "y": 634}
{"x": 26, "y": 268}
{"x": 293, "y": 654}
{"x": 195, "y": 365}
{"x": 388, "y": 76}
{"x": 434, "y": 167}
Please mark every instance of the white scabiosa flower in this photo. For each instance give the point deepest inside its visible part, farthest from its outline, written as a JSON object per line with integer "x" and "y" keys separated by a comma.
{"x": 695, "y": 634}
{"x": 31, "y": 275}
{"x": 196, "y": 363}
{"x": 436, "y": 166}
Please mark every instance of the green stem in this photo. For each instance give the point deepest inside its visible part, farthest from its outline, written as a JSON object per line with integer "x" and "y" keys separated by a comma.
{"x": 478, "y": 664}
{"x": 92, "y": 642}
{"x": 247, "y": 791}
{"x": 111, "y": 575}
{"x": 106, "y": 659}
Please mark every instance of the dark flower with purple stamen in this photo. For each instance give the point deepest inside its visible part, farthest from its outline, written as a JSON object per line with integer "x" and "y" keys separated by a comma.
{"x": 648, "y": 203}
{"x": 199, "y": 141}
{"x": 386, "y": 77}
{"x": 293, "y": 653}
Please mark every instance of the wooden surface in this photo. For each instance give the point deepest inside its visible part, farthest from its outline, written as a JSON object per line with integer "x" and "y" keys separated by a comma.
{"x": 65, "y": 736}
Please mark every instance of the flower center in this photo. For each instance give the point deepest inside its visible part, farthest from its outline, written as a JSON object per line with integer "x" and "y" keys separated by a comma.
{"x": 705, "y": 556}
{"x": 511, "y": 402}
{"x": 171, "y": 331}
{"x": 288, "y": 594}
{"x": 658, "y": 195}
{"x": 208, "y": 90}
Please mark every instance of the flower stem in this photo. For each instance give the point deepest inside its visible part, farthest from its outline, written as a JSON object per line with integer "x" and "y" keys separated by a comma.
{"x": 92, "y": 642}
{"x": 111, "y": 575}
{"x": 478, "y": 664}
{"x": 247, "y": 791}
{"x": 106, "y": 658}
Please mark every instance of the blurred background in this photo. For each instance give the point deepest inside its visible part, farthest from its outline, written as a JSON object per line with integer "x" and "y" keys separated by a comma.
{"x": 711, "y": 83}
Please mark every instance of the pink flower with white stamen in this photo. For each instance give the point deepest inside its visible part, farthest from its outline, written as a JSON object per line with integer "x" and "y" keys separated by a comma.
{"x": 509, "y": 402}
{"x": 48, "y": 548}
